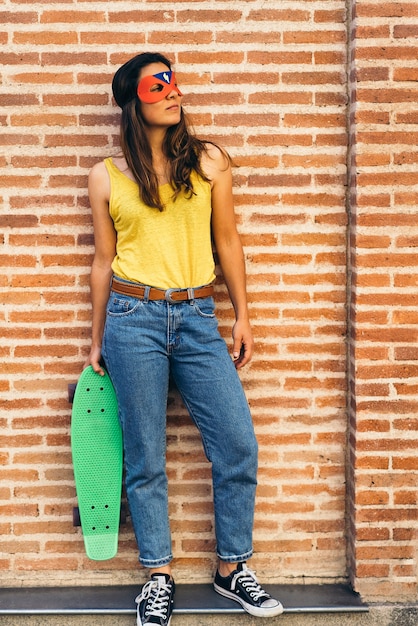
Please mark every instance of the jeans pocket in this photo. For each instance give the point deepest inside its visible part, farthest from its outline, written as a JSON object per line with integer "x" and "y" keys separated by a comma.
{"x": 118, "y": 306}
{"x": 205, "y": 307}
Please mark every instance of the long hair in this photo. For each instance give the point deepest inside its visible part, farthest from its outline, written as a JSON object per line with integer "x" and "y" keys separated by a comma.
{"x": 181, "y": 148}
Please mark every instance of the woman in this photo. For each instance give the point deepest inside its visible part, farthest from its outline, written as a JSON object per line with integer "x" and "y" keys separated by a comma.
{"x": 155, "y": 208}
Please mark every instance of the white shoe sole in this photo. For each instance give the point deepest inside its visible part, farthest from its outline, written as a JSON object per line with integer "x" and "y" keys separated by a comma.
{"x": 257, "y": 611}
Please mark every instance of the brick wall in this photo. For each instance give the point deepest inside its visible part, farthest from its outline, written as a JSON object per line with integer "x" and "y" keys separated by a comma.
{"x": 383, "y": 370}
{"x": 268, "y": 81}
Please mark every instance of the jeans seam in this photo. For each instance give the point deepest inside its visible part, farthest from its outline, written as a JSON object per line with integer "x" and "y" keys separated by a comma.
{"x": 156, "y": 562}
{"x": 196, "y": 422}
{"x": 236, "y": 558}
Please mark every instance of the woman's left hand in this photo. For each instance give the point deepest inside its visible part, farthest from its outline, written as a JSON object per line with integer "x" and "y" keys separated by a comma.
{"x": 243, "y": 343}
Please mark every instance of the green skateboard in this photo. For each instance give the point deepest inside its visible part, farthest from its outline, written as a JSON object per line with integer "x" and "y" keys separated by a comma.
{"x": 96, "y": 445}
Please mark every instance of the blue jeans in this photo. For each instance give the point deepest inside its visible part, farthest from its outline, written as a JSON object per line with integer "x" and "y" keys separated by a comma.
{"x": 144, "y": 343}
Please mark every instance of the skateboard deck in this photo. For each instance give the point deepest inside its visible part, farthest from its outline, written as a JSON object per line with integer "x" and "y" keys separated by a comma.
{"x": 96, "y": 446}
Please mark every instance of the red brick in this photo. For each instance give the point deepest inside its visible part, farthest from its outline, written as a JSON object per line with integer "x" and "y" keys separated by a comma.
{"x": 316, "y": 37}
{"x": 45, "y": 37}
{"x": 41, "y": 78}
{"x": 387, "y": 9}
{"x": 405, "y": 463}
{"x": 373, "y": 570}
{"x": 75, "y": 17}
{"x": 18, "y": 17}
{"x": 405, "y": 74}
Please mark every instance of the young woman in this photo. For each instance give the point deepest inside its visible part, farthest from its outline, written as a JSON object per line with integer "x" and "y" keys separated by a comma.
{"x": 155, "y": 210}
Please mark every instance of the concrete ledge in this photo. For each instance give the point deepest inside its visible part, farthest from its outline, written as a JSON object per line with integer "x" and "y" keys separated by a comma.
{"x": 190, "y": 599}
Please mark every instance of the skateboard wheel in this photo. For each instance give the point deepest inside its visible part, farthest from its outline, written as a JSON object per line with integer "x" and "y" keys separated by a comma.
{"x": 71, "y": 392}
{"x": 76, "y": 516}
{"x": 122, "y": 514}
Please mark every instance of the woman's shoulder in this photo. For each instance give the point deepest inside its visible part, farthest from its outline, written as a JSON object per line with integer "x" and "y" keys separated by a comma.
{"x": 215, "y": 152}
{"x": 99, "y": 184}
{"x": 99, "y": 169}
{"x": 214, "y": 160}
{"x": 109, "y": 162}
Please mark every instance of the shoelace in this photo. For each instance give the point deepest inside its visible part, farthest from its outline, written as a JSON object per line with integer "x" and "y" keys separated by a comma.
{"x": 157, "y": 594}
{"x": 250, "y": 583}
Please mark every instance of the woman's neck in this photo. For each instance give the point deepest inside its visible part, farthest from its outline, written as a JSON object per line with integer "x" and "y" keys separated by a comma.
{"x": 161, "y": 168}
{"x": 159, "y": 160}
{"x": 156, "y": 136}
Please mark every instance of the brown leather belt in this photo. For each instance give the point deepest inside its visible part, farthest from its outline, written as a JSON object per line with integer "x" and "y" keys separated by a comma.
{"x": 171, "y": 295}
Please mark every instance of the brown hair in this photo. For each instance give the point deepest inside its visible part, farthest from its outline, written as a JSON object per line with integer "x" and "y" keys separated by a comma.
{"x": 181, "y": 148}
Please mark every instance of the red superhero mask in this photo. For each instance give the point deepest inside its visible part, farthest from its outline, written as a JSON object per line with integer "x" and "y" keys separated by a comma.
{"x": 157, "y": 87}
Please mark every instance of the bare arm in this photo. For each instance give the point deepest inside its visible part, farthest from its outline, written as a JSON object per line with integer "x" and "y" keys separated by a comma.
{"x": 230, "y": 253}
{"x": 105, "y": 250}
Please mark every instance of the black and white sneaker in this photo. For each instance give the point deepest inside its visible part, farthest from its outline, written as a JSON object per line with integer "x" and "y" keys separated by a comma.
{"x": 155, "y": 602}
{"x": 243, "y": 587}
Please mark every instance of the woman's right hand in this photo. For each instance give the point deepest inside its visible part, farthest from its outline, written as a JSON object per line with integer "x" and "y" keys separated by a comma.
{"x": 93, "y": 359}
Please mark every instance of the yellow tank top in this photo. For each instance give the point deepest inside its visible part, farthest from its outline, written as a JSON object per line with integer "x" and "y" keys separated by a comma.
{"x": 165, "y": 249}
